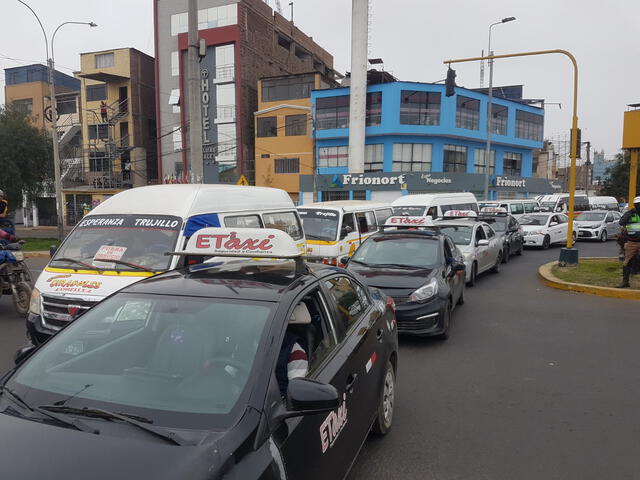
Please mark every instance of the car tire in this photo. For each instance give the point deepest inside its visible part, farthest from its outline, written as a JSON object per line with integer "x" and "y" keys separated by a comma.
{"x": 474, "y": 275}
{"x": 21, "y": 298}
{"x": 604, "y": 236}
{"x": 505, "y": 254}
{"x": 496, "y": 267}
{"x": 386, "y": 404}
{"x": 546, "y": 243}
{"x": 446, "y": 323}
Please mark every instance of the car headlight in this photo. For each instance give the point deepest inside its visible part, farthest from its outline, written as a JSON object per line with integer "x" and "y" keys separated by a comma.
{"x": 35, "y": 305}
{"x": 425, "y": 292}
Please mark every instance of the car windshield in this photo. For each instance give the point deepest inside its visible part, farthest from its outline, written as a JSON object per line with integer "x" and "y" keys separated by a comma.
{"x": 409, "y": 211}
{"x": 410, "y": 250}
{"x": 548, "y": 204}
{"x": 460, "y": 234}
{"x": 534, "y": 220}
{"x": 120, "y": 242}
{"x": 591, "y": 217}
{"x": 182, "y": 362}
{"x": 320, "y": 224}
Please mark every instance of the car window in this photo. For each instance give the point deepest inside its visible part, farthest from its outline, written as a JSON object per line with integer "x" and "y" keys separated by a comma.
{"x": 563, "y": 219}
{"x": 517, "y": 208}
{"x": 513, "y": 224}
{"x": 610, "y": 218}
{"x": 530, "y": 207}
{"x": 383, "y": 215}
{"x": 288, "y": 222}
{"x": 432, "y": 212}
{"x": 480, "y": 235}
{"x": 244, "y": 221}
{"x": 489, "y": 231}
{"x": 347, "y": 223}
{"x": 363, "y": 226}
{"x": 448, "y": 249}
{"x": 372, "y": 224}
{"x": 347, "y": 300}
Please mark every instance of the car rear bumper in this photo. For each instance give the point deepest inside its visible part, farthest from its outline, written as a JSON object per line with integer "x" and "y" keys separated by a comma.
{"x": 421, "y": 319}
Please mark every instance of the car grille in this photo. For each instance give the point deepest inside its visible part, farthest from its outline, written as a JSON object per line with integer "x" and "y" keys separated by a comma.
{"x": 585, "y": 234}
{"x": 58, "y": 311}
{"x": 400, "y": 300}
{"x": 415, "y": 325}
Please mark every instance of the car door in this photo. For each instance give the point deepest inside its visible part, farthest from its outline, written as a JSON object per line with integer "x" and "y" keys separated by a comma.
{"x": 482, "y": 251}
{"x": 616, "y": 228}
{"x": 456, "y": 280}
{"x": 609, "y": 225}
{"x": 553, "y": 228}
{"x": 317, "y": 447}
{"x": 495, "y": 244}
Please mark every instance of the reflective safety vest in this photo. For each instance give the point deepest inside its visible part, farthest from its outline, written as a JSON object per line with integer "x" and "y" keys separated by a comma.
{"x": 633, "y": 227}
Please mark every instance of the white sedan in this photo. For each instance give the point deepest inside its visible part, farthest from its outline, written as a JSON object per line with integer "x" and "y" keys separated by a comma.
{"x": 545, "y": 229}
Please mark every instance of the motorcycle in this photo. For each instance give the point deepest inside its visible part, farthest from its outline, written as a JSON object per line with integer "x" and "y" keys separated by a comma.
{"x": 15, "y": 277}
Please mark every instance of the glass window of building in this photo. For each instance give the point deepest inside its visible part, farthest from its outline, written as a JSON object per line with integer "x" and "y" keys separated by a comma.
{"x": 99, "y": 162}
{"x": 329, "y": 196}
{"x": 374, "y": 158}
{"x": 207, "y": 18}
{"x": 331, "y": 157}
{"x": 529, "y": 126}
{"x": 419, "y": 108}
{"x": 332, "y": 112}
{"x": 412, "y": 157}
{"x": 96, "y": 93}
{"x": 499, "y": 116}
{"x": 288, "y": 88}
{"x": 99, "y": 131}
{"x": 227, "y": 143}
{"x": 24, "y": 105}
{"x": 177, "y": 140}
{"x": 455, "y": 159}
{"x": 175, "y": 64}
{"x": 268, "y": 127}
{"x": 479, "y": 162}
{"x": 105, "y": 60}
{"x": 359, "y": 195}
{"x": 287, "y": 165}
{"x": 226, "y": 102}
{"x": 512, "y": 164}
{"x": 66, "y": 104}
{"x": 296, "y": 125}
{"x": 374, "y": 109}
{"x": 225, "y": 63}
{"x": 467, "y": 113}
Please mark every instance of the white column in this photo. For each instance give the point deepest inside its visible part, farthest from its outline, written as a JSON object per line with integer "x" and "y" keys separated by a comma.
{"x": 358, "y": 109}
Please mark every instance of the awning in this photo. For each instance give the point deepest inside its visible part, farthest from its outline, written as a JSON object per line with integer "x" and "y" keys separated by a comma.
{"x": 104, "y": 77}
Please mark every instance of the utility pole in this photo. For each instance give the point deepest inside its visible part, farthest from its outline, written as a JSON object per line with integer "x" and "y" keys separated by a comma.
{"x": 57, "y": 170}
{"x": 195, "y": 112}
{"x": 587, "y": 167}
{"x": 291, "y": 5}
{"x": 358, "y": 97}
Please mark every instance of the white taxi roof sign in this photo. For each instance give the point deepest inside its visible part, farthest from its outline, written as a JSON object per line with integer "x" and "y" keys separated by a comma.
{"x": 241, "y": 242}
{"x": 460, "y": 213}
{"x": 405, "y": 221}
{"x": 493, "y": 210}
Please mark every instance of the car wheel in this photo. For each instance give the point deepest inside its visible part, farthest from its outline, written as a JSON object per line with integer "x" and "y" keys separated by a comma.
{"x": 446, "y": 324}
{"x": 496, "y": 267}
{"x": 21, "y": 298}
{"x": 505, "y": 254}
{"x": 604, "y": 236}
{"x": 383, "y": 422}
{"x": 546, "y": 243}
{"x": 474, "y": 275}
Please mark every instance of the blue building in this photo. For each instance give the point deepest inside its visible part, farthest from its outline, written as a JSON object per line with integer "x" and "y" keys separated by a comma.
{"x": 436, "y": 142}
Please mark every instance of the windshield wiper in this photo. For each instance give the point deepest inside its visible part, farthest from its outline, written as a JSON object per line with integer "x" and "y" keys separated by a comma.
{"x": 128, "y": 264}
{"x": 315, "y": 237}
{"x": 79, "y": 262}
{"x": 77, "y": 424}
{"x": 397, "y": 265}
{"x": 140, "y": 422}
{"x": 361, "y": 262}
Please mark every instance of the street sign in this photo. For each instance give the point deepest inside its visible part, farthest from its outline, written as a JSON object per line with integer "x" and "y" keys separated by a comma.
{"x": 243, "y": 181}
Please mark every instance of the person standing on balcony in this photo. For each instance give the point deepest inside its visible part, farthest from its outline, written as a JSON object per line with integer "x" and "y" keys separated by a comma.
{"x": 103, "y": 111}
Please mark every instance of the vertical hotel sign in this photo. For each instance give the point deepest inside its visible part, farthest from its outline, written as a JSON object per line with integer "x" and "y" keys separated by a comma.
{"x": 208, "y": 104}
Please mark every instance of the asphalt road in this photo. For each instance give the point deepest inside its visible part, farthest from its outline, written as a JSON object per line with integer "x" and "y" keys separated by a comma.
{"x": 534, "y": 383}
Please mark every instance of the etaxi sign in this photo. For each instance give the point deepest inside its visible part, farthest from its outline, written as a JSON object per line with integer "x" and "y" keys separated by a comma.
{"x": 460, "y": 213}
{"x": 408, "y": 222}
{"x": 493, "y": 210}
{"x": 241, "y": 242}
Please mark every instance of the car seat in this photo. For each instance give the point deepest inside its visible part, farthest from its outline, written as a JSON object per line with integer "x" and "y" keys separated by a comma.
{"x": 300, "y": 324}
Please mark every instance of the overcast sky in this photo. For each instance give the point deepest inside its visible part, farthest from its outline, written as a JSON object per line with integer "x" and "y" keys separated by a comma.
{"x": 413, "y": 37}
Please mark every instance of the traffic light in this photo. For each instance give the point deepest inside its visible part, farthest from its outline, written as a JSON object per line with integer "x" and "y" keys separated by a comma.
{"x": 450, "y": 82}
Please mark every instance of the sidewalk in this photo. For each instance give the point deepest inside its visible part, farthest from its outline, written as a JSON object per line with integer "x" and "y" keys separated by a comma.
{"x": 38, "y": 232}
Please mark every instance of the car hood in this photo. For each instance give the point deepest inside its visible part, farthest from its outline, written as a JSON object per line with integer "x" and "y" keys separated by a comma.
{"x": 387, "y": 277}
{"x": 579, "y": 223}
{"x": 32, "y": 450}
{"x": 528, "y": 228}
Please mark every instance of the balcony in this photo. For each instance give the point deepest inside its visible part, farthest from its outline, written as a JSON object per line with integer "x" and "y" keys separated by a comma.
{"x": 225, "y": 73}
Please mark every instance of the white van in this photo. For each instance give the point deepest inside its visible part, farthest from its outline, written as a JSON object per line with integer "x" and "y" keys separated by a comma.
{"x": 127, "y": 237}
{"x": 604, "y": 203}
{"x": 559, "y": 202}
{"x": 517, "y": 208}
{"x": 434, "y": 205}
{"x": 336, "y": 229}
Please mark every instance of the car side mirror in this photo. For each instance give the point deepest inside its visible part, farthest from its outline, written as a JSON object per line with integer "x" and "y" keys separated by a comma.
{"x": 23, "y": 353}
{"x": 309, "y": 397}
{"x": 345, "y": 260}
{"x": 52, "y": 250}
{"x": 483, "y": 243}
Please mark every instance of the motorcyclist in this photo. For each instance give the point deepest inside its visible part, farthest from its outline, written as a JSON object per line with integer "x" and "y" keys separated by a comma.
{"x": 6, "y": 238}
{"x": 631, "y": 222}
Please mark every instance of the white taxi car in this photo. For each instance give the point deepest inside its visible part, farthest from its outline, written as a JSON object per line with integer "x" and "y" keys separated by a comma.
{"x": 545, "y": 229}
{"x": 478, "y": 242}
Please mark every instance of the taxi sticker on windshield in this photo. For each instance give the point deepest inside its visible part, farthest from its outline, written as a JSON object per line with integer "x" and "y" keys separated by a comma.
{"x": 108, "y": 253}
{"x": 333, "y": 425}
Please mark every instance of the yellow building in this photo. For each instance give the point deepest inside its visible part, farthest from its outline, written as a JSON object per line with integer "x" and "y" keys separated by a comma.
{"x": 284, "y": 143}
{"x": 118, "y": 127}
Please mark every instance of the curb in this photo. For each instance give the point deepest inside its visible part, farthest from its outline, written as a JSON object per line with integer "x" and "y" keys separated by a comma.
{"x": 550, "y": 280}
{"x": 41, "y": 254}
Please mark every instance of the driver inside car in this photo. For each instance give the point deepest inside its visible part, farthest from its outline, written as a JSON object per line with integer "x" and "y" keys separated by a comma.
{"x": 293, "y": 360}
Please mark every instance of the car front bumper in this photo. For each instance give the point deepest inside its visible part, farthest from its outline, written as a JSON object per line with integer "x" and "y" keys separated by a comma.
{"x": 421, "y": 319}
{"x": 533, "y": 240}
{"x": 588, "y": 234}
{"x": 36, "y": 331}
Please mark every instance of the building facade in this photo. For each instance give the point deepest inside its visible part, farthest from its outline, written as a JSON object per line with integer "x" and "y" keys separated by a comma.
{"x": 118, "y": 129}
{"x": 284, "y": 141}
{"x": 245, "y": 41}
{"x": 427, "y": 142}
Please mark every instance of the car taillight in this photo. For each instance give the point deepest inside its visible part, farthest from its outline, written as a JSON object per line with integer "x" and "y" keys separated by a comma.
{"x": 330, "y": 261}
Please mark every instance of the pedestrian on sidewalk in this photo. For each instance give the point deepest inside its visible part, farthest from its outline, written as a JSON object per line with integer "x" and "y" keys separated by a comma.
{"x": 631, "y": 222}
{"x": 103, "y": 111}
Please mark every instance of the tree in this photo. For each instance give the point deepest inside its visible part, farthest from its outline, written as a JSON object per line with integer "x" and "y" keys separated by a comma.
{"x": 26, "y": 156}
{"x": 616, "y": 183}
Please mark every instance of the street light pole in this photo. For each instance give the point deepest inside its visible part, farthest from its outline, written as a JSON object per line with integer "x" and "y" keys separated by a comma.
{"x": 57, "y": 170}
{"x": 487, "y": 153}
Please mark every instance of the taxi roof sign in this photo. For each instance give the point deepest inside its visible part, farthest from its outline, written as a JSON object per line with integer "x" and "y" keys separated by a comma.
{"x": 460, "y": 214}
{"x": 493, "y": 210}
{"x": 404, "y": 221}
{"x": 241, "y": 242}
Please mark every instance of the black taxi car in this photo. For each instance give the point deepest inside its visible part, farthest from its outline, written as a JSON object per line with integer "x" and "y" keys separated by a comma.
{"x": 189, "y": 374}
{"x": 419, "y": 267}
{"x": 507, "y": 227}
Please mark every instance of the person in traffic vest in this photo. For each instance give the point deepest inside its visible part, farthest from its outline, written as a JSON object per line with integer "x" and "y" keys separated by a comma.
{"x": 631, "y": 221}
